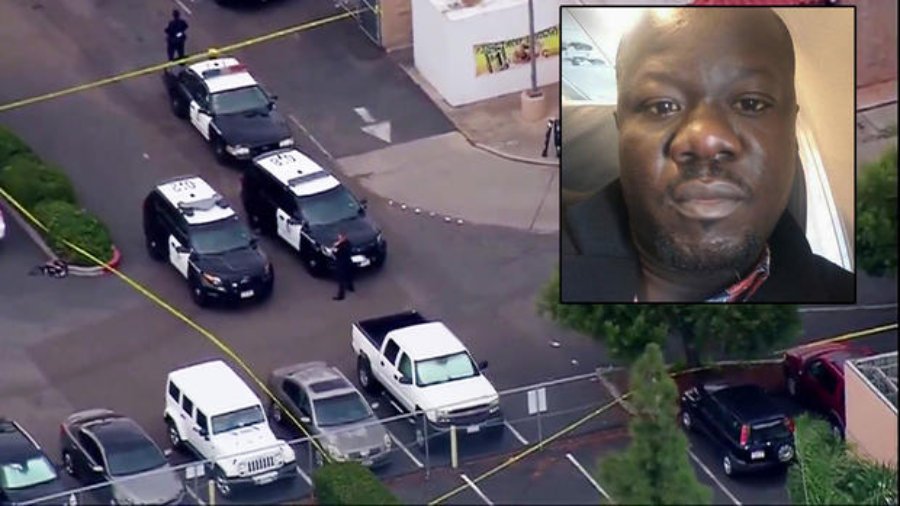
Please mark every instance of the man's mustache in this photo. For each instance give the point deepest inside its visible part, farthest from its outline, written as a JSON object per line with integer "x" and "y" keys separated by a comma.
{"x": 707, "y": 173}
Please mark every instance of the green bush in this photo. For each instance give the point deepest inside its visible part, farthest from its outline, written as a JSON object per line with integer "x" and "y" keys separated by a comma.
{"x": 66, "y": 222}
{"x": 350, "y": 483}
{"x": 877, "y": 222}
{"x": 11, "y": 145}
{"x": 30, "y": 181}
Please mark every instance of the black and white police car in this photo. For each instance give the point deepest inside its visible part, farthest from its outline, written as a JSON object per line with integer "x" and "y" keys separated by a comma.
{"x": 288, "y": 194}
{"x": 188, "y": 224}
{"x": 229, "y": 108}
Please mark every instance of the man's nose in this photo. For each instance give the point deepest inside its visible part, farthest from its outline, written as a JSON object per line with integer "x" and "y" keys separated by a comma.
{"x": 706, "y": 135}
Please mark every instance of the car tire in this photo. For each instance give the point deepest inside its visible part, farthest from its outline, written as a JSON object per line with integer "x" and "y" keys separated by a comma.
{"x": 275, "y": 413}
{"x": 419, "y": 431}
{"x": 222, "y": 483}
{"x": 837, "y": 431}
{"x": 319, "y": 459}
{"x": 314, "y": 263}
{"x": 153, "y": 249}
{"x": 728, "y": 465}
{"x": 218, "y": 148}
{"x": 177, "y": 105}
{"x": 687, "y": 421}
{"x": 174, "y": 437}
{"x": 364, "y": 376}
{"x": 197, "y": 294}
{"x": 69, "y": 464}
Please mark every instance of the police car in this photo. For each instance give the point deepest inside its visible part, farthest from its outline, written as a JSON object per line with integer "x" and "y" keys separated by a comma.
{"x": 289, "y": 195}
{"x": 188, "y": 224}
{"x": 229, "y": 108}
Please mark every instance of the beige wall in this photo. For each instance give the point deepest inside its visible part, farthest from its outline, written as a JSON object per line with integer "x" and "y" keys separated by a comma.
{"x": 823, "y": 42}
{"x": 876, "y": 22}
{"x": 396, "y": 24}
{"x": 871, "y": 423}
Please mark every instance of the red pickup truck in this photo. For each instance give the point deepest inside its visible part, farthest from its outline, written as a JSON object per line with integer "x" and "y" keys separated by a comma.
{"x": 815, "y": 376}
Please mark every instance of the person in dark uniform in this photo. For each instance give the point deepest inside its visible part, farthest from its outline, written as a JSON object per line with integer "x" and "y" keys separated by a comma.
{"x": 343, "y": 265}
{"x": 176, "y": 35}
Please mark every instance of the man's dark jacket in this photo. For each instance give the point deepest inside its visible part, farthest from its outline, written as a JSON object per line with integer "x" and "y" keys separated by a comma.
{"x": 599, "y": 263}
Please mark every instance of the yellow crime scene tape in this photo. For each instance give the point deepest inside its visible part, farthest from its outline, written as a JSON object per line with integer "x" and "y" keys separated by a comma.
{"x": 187, "y": 59}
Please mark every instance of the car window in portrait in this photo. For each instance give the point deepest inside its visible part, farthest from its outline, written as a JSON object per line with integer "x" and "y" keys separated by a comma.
{"x": 707, "y": 154}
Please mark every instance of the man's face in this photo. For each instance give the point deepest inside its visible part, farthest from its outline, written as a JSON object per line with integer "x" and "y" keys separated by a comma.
{"x": 706, "y": 117}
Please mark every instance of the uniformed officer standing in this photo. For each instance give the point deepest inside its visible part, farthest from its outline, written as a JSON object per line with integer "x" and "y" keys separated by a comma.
{"x": 343, "y": 265}
{"x": 176, "y": 35}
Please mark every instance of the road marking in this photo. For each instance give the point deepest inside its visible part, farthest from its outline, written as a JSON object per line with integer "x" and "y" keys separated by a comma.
{"x": 515, "y": 433}
{"x": 476, "y": 489}
{"x": 588, "y": 476}
{"x": 364, "y": 114}
{"x": 184, "y": 7}
{"x": 711, "y": 475}
{"x": 405, "y": 450}
{"x": 380, "y": 130}
{"x": 310, "y": 135}
{"x": 304, "y": 475}
{"x": 194, "y": 495}
{"x": 857, "y": 307}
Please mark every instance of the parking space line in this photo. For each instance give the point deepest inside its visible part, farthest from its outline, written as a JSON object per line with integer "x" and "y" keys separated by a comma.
{"x": 711, "y": 475}
{"x": 304, "y": 475}
{"x": 194, "y": 495}
{"x": 310, "y": 135}
{"x": 515, "y": 433}
{"x": 405, "y": 450}
{"x": 588, "y": 476}
{"x": 184, "y": 7}
{"x": 476, "y": 489}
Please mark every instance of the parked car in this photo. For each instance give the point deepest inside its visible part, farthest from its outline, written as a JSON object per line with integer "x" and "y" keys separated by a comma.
{"x": 99, "y": 445}
{"x": 425, "y": 367}
{"x": 321, "y": 398}
{"x": 814, "y": 375}
{"x": 750, "y": 430}
{"x": 26, "y": 473}
{"x": 211, "y": 411}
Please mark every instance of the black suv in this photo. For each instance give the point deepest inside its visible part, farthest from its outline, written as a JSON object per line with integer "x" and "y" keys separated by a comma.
{"x": 192, "y": 227}
{"x": 26, "y": 473}
{"x": 287, "y": 194}
{"x": 746, "y": 424}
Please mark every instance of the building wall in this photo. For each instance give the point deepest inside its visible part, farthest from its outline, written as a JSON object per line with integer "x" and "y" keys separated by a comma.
{"x": 871, "y": 423}
{"x": 444, "y": 40}
{"x": 396, "y": 24}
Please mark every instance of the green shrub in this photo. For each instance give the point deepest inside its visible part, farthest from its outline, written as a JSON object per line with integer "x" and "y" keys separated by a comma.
{"x": 66, "y": 222}
{"x": 30, "y": 181}
{"x": 11, "y": 145}
{"x": 350, "y": 483}
{"x": 876, "y": 242}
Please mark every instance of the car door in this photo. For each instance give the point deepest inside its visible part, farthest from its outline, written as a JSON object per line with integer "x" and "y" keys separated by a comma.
{"x": 287, "y": 222}
{"x": 199, "y": 106}
{"x": 200, "y": 427}
{"x": 294, "y": 397}
{"x": 304, "y": 407}
{"x": 386, "y": 371}
{"x": 90, "y": 456}
{"x": 186, "y": 416}
{"x": 406, "y": 392}
{"x": 823, "y": 387}
{"x": 179, "y": 248}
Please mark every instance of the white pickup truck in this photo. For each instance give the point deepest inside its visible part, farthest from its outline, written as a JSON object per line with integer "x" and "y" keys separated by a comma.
{"x": 426, "y": 368}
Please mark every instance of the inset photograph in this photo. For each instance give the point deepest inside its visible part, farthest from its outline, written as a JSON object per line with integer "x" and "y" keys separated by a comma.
{"x": 708, "y": 154}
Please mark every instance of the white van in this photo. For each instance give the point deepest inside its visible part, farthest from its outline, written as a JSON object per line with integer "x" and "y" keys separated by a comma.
{"x": 210, "y": 410}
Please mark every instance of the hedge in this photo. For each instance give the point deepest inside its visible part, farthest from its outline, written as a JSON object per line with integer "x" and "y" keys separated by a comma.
{"x": 11, "y": 145}
{"x": 31, "y": 182}
{"x": 349, "y": 483}
{"x": 67, "y": 222}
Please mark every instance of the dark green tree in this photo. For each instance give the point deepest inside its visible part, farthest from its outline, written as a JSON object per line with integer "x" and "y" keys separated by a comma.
{"x": 655, "y": 468}
{"x": 827, "y": 472}
{"x": 705, "y": 330}
{"x": 876, "y": 241}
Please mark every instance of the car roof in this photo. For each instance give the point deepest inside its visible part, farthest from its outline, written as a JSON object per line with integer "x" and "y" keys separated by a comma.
{"x": 198, "y": 202}
{"x": 116, "y": 431}
{"x": 297, "y": 171}
{"x": 223, "y": 74}
{"x": 15, "y": 443}
{"x": 321, "y": 380}
{"x": 427, "y": 340}
{"x": 213, "y": 387}
{"x": 748, "y": 402}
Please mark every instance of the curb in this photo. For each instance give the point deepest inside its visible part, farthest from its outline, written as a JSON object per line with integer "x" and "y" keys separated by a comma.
{"x": 89, "y": 272}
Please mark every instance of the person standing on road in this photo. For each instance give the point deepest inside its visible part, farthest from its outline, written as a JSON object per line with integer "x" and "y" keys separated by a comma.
{"x": 176, "y": 35}
{"x": 343, "y": 265}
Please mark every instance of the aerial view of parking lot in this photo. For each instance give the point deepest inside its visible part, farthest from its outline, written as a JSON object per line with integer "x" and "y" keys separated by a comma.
{"x": 309, "y": 252}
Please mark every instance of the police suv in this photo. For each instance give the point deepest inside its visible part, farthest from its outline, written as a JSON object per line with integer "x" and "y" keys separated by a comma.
{"x": 188, "y": 224}
{"x": 229, "y": 108}
{"x": 288, "y": 194}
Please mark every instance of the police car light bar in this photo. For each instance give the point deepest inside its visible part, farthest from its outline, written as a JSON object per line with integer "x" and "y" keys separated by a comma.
{"x": 234, "y": 69}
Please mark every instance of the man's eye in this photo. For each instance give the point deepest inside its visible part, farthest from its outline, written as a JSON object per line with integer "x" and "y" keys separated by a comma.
{"x": 752, "y": 105}
{"x": 662, "y": 107}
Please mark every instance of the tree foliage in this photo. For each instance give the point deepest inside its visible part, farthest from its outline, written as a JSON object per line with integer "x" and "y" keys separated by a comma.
{"x": 827, "y": 472}
{"x": 655, "y": 468}
{"x": 705, "y": 330}
{"x": 877, "y": 222}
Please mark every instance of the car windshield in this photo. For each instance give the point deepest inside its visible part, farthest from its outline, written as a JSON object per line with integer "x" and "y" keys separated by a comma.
{"x": 251, "y": 98}
{"x": 769, "y": 431}
{"x": 26, "y": 473}
{"x": 237, "y": 419}
{"x": 446, "y": 368}
{"x": 134, "y": 456}
{"x": 220, "y": 236}
{"x": 329, "y": 206}
{"x": 340, "y": 410}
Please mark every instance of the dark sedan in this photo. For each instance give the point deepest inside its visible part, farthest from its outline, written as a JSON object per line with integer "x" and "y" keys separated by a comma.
{"x": 26, "y": 474}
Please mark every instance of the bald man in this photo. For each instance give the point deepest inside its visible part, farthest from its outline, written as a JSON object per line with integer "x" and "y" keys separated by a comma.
{"x": 706, "y": 115}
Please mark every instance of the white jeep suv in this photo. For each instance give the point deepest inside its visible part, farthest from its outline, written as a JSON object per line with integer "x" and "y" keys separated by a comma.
{"x": 210, "y": 410}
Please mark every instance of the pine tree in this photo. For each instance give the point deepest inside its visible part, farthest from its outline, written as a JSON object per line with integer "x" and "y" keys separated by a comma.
{"x": 655, "y": 469}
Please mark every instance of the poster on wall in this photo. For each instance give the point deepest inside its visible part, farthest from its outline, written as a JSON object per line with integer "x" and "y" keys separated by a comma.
{"x": 494, "y": 57}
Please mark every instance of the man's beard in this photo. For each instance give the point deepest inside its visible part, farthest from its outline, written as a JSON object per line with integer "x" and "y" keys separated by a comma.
{"x": 731, "y": 255}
